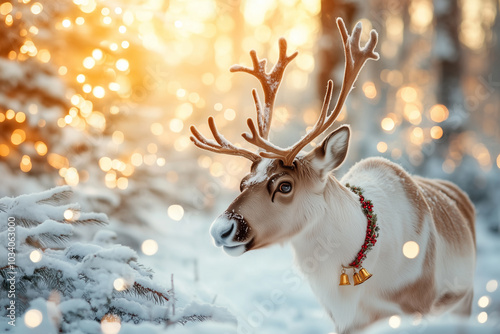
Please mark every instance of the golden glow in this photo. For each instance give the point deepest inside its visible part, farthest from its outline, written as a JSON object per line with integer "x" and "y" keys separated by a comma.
{"x": 87, "y": 88}
{"x": 436, "y": 132}
{"x": 387, "y": 124}
{"x": 370, "y": 90}
{"x": 43, "y": 55}
{"x": 421, "y": 14}
{"x": 89, "y": 62}
{"x": 175, "y": 212}
{"x": 110, "y": 324}
{"x": 207, "y": 79}
{"x": 35, "y": 256}
{"x": 156, "y": 129}
{"x": 97, "y": 54}
{"x": 36, "y": 8}
{"x": 20, "y": 117}
{"x": 63, "y": 70}
{"x": 41, "y": 148}
{"x": 5, "y": 8}
{"x": 110, "y": 179}
{"x": 149, "y": 247}
{"x": 99, "y": 92}
{"x": 122, "y": 64}
{"x": 412, "y": 113}
{"x": 136, "y": 159}
{"x": 25, "y": 164}
{"x": 66, "y": 23}
{"x": 439, "y": 113}
{"x": 382, "y": 147}
{"x": 10, "y": 114}
{"x": 218, "y": 106}
{"x": 184, "y": 111}
{"x": 4, "y": 150}
{"x": 152, "y": 148}
{"x": 118, "y": 137}
{"x": 57, "y": 161}
{"x": 33, "y": 318}
{"x": 72, "y": 177}
{"x": 105, "y": 163}
{"x": 408, "y": 94}
{"x": 229, "y": 114}
{"x": 498, "y": 161}
{"x": 204, "y": 161}
{"x": 18, "y": 136}
{"x": 122, "y": 183}
{"x": 68, "y": 214}
{"x": 120, "y": 284}
{"x": 176, "y": 125}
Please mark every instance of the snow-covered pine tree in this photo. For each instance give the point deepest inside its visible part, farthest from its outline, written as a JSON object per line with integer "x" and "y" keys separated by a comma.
{"x": 87, "y": 282}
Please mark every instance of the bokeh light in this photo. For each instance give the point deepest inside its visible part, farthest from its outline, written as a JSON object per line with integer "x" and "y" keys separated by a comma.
{"x": 411, "y": 249}
{"x": 175, "y": 212}
{"x": 149, "y": 247}
{"x": 33, "y": 318}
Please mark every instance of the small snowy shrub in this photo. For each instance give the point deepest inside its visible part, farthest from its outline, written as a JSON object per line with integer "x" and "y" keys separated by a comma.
{"x": 81, "y": 282}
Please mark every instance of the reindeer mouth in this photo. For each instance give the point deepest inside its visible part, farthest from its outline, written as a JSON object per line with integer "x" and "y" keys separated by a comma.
{"x": 238, "y": 249}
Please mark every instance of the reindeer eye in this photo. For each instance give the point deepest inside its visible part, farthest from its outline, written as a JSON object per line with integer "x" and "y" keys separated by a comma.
{"x": 285, "y": 187}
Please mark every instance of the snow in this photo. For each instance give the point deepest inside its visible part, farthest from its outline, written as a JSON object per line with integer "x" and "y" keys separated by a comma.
{"x": 261, "y": 172}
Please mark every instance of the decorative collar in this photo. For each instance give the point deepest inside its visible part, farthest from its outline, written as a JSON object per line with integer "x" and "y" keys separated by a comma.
{"x": 370, "y": 240}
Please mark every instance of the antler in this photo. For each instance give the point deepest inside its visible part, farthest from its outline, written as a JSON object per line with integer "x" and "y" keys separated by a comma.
{"x": 355, "y": 58}
{"x": 270, "y": 83}
{"x": 222, "y": 145}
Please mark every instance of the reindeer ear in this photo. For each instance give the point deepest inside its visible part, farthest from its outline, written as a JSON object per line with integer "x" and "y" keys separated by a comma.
{"x": 331, "y": 153}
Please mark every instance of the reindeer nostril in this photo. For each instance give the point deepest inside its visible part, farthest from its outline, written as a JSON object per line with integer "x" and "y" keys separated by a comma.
{"x": 228, "y": 232}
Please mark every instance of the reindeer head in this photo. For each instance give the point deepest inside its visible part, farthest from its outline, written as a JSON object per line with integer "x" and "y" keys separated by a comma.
{"x": 284, "y": 189}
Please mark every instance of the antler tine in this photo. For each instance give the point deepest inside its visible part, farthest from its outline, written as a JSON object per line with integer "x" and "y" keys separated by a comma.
{"x": 270, "y": 83}
{"x": 255, "y": 139}
{"x": 221, "y": 144}
{"x": 315, "y": 131}
{"x": 355, "y": 58}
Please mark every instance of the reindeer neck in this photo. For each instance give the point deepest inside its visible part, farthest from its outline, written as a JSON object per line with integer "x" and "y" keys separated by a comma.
{"x": 335, "y": 236}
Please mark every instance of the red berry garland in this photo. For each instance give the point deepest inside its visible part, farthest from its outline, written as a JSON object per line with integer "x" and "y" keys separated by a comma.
{"x": 371, "y": 227}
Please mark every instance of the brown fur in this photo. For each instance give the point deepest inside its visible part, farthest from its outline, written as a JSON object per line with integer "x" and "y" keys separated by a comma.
{"x": 454, "y": 220}
{"x": 419, "y": 295}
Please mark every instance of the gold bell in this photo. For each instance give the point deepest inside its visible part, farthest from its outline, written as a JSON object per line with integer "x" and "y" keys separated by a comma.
{"x": 364, "y": 274}
{"x": 344, "y": 279}
{"x": 357, "y": 279}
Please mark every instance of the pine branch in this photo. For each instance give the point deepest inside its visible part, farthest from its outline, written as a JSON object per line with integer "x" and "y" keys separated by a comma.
{"x": 56, "y": 198}
{"x": 47, "y": 240}
{"x": 141, "y": 291}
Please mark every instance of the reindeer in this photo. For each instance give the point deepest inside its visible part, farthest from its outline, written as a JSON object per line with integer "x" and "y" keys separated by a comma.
{"x": 359, "y": 223}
